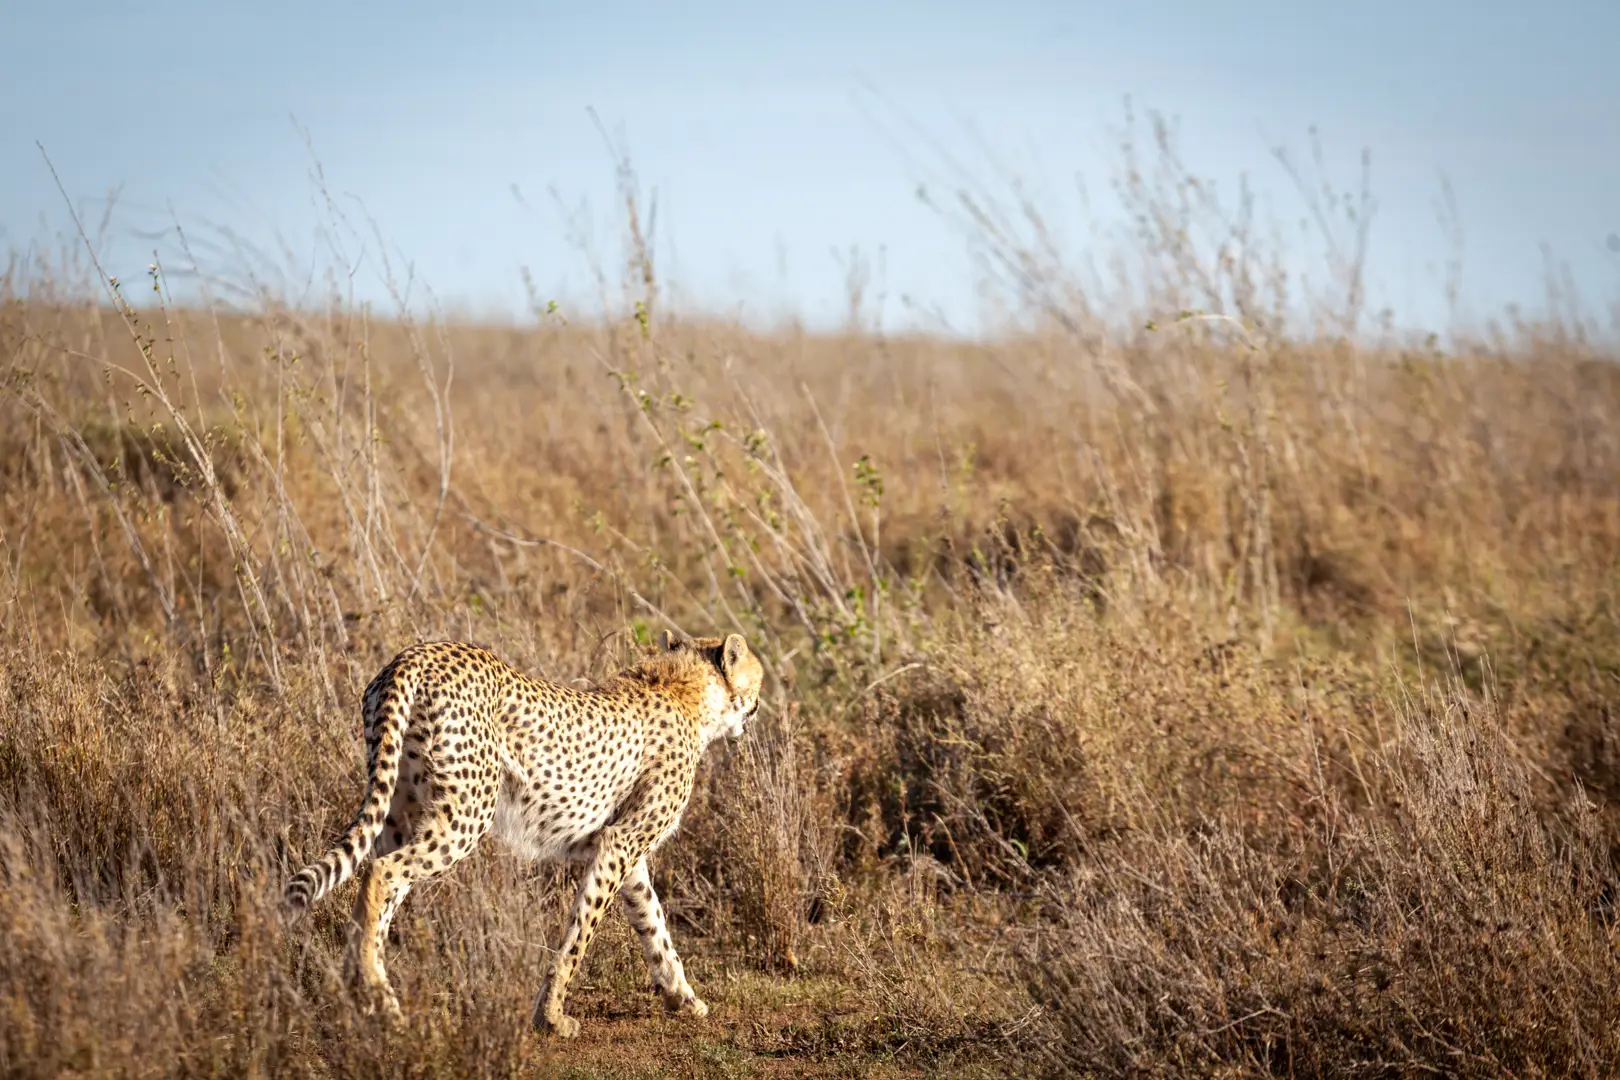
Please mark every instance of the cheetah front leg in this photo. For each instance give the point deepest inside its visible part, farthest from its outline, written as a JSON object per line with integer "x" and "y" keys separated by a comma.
{"x": 646, "y": 917}
{"x": 618, "y": 848}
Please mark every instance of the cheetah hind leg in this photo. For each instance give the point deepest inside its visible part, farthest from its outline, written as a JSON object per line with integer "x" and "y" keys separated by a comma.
{"x": 371, "y": 906}
{"x": 363, "y": 969}
{"x": 441, "y": 838}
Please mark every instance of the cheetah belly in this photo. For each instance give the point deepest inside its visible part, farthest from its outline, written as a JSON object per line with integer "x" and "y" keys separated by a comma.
{"x": 539, "y": 818}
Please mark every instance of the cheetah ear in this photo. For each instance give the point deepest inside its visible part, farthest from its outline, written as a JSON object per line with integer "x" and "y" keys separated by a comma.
{"x": 732, "y": 653}
{"x": 669, "y": 642}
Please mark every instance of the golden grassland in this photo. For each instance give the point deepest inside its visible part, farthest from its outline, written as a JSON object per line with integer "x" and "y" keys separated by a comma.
{"x": 1172, "y": 702}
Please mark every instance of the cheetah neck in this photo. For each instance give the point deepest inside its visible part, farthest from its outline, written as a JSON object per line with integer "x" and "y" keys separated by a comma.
{"x": 700, "y": 698}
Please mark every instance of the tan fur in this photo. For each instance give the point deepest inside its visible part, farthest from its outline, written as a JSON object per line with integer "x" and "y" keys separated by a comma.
{"x": 458, "y": 743}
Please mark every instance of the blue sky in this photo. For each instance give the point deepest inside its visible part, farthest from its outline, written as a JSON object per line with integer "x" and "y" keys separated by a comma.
{"x": 752, "y": 123}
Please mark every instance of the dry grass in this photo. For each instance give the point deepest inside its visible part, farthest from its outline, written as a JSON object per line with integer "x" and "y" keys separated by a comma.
{"x": 1175, "y": 702}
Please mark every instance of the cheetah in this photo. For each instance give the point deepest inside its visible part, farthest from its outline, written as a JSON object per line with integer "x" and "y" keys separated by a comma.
{"x": 459, "y": 744}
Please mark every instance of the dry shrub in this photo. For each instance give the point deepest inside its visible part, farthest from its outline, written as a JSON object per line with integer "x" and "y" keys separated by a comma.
{"x": 1445, "y": 929}
{"x": 775, "y": 840}
{"x": 1039, "y": 727}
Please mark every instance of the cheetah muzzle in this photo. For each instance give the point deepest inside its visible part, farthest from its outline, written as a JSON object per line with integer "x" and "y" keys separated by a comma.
{"x": 459, "y": 744}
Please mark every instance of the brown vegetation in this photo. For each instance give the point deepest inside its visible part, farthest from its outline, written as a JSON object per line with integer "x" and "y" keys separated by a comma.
{"x": 1184, "y": 701}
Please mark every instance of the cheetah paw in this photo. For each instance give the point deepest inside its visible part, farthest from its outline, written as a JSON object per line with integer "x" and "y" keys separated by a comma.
{"x": 564, "y": 1027}
{"x": 693, "y": 1007}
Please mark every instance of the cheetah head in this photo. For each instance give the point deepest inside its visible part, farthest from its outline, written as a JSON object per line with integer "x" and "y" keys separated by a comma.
{"x": 741, "y": 676}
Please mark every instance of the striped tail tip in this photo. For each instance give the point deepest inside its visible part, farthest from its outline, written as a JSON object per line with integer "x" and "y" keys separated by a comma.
{"x": 295, "y": 902}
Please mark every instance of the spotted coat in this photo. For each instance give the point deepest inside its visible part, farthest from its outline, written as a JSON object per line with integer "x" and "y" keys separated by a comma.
{"x": 459, "y": 744}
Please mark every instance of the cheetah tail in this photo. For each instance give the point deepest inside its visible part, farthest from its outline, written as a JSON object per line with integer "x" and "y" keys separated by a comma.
{"x": 389, "y": 713}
